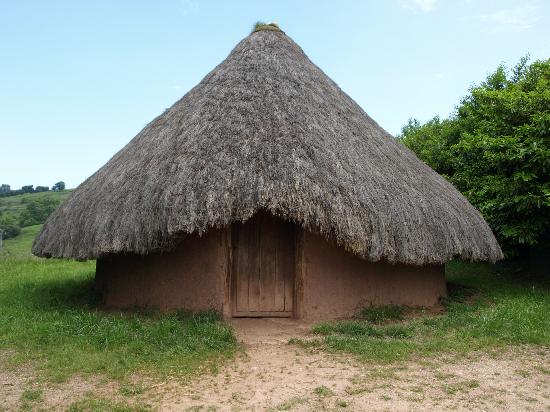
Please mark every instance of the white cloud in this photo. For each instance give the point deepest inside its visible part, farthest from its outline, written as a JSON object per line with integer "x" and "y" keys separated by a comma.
{"x": 517, "y": 18}
{"x": 422, "y": 5}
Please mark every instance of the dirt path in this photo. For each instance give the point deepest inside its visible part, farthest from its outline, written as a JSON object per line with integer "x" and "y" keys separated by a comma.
{"x": 272, "y": 375}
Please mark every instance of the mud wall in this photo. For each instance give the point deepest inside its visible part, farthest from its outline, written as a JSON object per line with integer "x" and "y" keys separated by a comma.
{"x": 192, "y": 276}
{"x": 336, "y": 283}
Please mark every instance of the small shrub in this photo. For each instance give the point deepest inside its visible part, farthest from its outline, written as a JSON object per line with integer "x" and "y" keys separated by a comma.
{"x": 37, "y": 210}
{"x": 9, "y": 226}
{"x": 323, "y": 391}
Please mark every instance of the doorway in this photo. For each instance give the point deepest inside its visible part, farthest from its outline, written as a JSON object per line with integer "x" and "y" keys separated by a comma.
{"x": 263, "y": 267}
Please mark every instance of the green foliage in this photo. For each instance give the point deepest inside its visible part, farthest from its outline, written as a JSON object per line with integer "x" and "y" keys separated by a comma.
{"x": 260, "y": 25}
{"x": 59, "y": 186}
{"x": 5, "y": 189}
{"x": 496, "y": 150}
{"x": 488, "y": 306}
{"x": 17, "y": 205}
{"x": 9, "y": 226}
{"x": 37, "y": 210}
{"x": 51, "y": 316}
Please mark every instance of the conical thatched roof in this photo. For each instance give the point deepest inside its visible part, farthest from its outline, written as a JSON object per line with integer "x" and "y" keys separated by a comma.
{"x": 267, "y": 129}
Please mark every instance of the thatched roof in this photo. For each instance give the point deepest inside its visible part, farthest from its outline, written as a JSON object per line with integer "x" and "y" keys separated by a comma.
{"x": 267, "y": 129}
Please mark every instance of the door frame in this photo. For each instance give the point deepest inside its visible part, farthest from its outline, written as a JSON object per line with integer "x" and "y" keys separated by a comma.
{"x": 230, "y": 283}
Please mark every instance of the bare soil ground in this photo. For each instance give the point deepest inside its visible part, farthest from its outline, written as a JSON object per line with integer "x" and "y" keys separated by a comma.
{"x": 270, "y": 374}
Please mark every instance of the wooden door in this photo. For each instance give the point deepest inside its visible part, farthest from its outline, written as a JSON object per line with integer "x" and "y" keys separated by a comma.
{"x": 263, "y": 267}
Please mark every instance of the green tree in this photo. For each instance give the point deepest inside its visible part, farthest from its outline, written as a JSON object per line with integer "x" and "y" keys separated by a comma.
{"x": 5, "y": 189}
{"x": 495, "y": 149}
{"x": 59, "y": 186}
{"x": 37, "y": 211}
{"x": 9, "y": 226}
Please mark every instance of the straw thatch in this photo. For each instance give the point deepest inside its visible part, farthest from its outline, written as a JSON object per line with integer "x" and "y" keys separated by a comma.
{"x": 267, "y": 129}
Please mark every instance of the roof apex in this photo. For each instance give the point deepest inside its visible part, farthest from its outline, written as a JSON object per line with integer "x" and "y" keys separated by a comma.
{"x": 261, "y": 26}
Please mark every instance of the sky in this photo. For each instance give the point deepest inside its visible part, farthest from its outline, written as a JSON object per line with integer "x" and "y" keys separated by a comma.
{"x": 79, "y": 79}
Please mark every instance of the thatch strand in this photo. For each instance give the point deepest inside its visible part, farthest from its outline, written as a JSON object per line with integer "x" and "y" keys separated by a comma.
{"x": 267, "y": 129}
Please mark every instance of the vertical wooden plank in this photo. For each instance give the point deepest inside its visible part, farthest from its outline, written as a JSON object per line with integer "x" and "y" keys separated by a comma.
{"x": 281, "y": 242}
{"x": 241, "y": 258}
{"x": 228, "y": 248}
{"x": 272, "y": 284}
{"x": 287, "y": 264}
{"x": 299, "y": 269}
{"x": 253, "y": 268}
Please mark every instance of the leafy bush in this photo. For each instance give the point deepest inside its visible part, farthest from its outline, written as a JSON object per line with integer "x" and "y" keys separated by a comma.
{"x": 59, "y": 186}
{"x": 37, "y": 210}
{"x": 9, "y": 226}
{"x": 496, "y": 150}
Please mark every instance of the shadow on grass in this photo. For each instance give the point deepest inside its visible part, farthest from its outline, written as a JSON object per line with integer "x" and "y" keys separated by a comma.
{"x": 51, "y": 314}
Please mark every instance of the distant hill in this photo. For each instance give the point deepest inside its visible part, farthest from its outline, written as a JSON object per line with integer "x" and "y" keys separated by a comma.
{"x": 28, "y": 209}
{"x": 16, "y": 204}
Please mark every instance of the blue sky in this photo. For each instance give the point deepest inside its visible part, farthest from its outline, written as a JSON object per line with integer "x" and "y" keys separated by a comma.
{"x": 80, "y": 78}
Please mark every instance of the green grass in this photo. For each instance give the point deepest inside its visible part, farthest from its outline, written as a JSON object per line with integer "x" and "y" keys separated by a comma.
{"x": 19, "y": 248}
{"x": 323, "y": 391}
{"x": 15, "y": 204}
{"x": 488, "y": 307}
{"x": 92, "y": 403}
{"x": 32, "y": 395}
{"x": 51, "y": 317}
{"x": 381, "y": 314}
{"x": 291, "y": 403}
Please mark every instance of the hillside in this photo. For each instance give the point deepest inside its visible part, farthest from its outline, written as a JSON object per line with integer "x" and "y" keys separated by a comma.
{"x": 16, "y": 204}
{"x": 27, "y": 209}
{"x": 19, "y": 247}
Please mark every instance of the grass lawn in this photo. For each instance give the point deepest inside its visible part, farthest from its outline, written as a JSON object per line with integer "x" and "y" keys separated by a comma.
{"x": 51, "y": 318}
{"x": 488, "y": 306}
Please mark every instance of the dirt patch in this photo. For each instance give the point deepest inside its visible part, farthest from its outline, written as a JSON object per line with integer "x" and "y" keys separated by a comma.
{"x": 17, "y": 383}
{"x": 270, "y": 374}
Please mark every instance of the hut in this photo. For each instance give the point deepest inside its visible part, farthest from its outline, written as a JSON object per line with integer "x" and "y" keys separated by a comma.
{"x": 267, "y": 191}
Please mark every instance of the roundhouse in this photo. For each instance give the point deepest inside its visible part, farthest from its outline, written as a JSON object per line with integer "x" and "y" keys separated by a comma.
{"x": 267, "y": 191}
